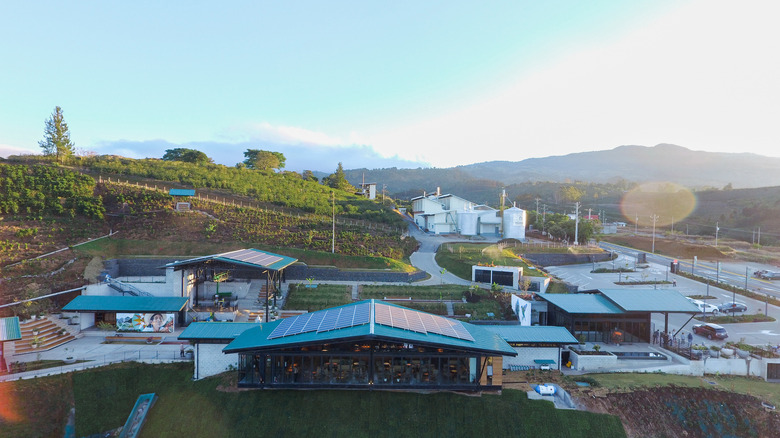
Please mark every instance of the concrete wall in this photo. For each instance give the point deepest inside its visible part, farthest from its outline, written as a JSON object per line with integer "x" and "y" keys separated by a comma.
{"x": 209, "y": 360}
{"x": 566, "y": 259}
{"x": 302, "y": 272}
{"x": 592, "y": 362}
{"x": 527, "y": 355}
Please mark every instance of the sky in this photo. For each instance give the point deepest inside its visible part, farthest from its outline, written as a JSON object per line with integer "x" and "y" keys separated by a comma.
{"x": 380, "y": 84}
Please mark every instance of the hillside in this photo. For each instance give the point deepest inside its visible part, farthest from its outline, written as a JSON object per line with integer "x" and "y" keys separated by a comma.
{"x": 663, "y": 162}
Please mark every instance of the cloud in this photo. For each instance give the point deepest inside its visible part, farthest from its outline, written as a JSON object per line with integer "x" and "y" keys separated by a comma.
{"x": 6, "y": 150}
{"x": 300, "y": 156}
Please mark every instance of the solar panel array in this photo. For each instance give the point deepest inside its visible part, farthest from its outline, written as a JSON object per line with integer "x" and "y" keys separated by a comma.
{"x": 252, "y": 256}
{"x": 419, "y": 322}
{"x": 323, "y": 321}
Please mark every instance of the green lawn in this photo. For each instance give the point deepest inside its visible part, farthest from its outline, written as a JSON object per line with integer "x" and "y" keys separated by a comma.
{"x": 443, "y": 292}
{"x": 458, "y": 258}
{"x": 105, "y": 396}
{"x": 317, "y": 298}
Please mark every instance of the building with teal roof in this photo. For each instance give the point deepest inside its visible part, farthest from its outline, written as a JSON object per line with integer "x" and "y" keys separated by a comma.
{"x": 366, "y": 344}
{"x": 613, "y": 315}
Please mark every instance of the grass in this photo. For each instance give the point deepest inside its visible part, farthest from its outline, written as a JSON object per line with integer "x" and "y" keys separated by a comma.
{"x": 113, "y": 248}
{"x": 458, "y": 258}
{"x": 35, "y": 407}
{"x": 445, "y": 292}
{"x": 744, "y": 385}
{"x": 317, "y": 298}
{"x": 104, "y": 398}
{"x": 479, "y": 310}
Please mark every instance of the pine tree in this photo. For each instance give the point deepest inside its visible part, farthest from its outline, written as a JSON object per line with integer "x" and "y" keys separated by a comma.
{"x": 56, "y": 137}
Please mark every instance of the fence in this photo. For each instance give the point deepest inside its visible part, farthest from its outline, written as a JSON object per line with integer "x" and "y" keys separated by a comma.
{"x": 18, "y": 369}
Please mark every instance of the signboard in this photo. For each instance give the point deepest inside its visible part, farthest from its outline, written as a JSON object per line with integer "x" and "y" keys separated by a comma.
{"x": 146, "y": 322}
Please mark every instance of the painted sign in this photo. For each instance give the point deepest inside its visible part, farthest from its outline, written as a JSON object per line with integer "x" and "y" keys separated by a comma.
{"x": 145, "y": 322}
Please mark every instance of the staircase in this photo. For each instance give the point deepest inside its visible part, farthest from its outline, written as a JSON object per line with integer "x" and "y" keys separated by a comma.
{"x": 126, "y": 288}
{"x": 50, "y": 335}
{"x": 264, "y": 294}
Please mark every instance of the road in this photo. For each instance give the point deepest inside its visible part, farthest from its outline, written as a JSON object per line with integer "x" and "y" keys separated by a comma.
{"x": 761, "y": 334}
{"x": 733, "y": 273}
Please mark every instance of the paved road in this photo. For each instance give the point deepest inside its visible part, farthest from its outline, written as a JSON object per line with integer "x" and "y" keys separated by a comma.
{"x": 424, "y": 258}
{"x": 754, "y": 333}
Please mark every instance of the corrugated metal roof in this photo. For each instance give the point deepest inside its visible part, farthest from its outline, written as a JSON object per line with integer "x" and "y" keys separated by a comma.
{"x": 216, "y": 330}
{"x": 246, "y": 257}
{"x": 10, "y": 329}
{"x": 650, "y": 300}
{"x": 181, "y": 192}
{"x": 100, "y": 303}
{"x": 582, "y": 303}
{"x": 532, "y": 334}
{"x": 484, "y": 340}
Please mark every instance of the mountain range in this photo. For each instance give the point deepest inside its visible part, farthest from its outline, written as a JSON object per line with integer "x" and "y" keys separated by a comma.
{"x": 663, "y": 162}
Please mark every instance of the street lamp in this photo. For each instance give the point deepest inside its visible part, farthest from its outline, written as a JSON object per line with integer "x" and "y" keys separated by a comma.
{"x": 654, "y": 218}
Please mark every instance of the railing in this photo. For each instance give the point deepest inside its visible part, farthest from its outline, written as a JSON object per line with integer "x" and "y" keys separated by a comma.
{"x": 126, "y": 288}
{"x": 18, "y": 369}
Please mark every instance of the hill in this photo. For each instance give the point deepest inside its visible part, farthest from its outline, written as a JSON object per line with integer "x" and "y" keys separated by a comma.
{"x": 663, "y": 162}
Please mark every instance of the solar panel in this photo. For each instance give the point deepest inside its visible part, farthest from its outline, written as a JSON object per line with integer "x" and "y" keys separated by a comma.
{"x": 415, "y": 323}
{"x": 314, "y": 322}
{"x": 461, "y": 331}
{"x": 253, "y": 257}
{"x": 362, "y": 314}
{"x": 345, "y": 317}
{"x": 298, "y": 324}
{"x": 329, "y": 321}
{"x": 281, "y": 329}
{"x": 399, "y": 318}
{"x": 382, "y": 315}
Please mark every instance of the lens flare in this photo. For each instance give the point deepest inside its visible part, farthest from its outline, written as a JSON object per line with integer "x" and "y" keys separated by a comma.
{"x": 9, "y": 409}
{"x": 666, "y": 201}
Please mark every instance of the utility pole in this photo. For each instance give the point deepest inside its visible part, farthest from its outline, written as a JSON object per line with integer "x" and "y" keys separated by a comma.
{"x": 576, "y": 222}
{"x": 537, "y": 205}
{"x": 544, "y": 216}
{"x": 759, "y": 236}
{"x": 636, "y": 224}
{"x": 333, "y": 239}
{"x": 716, "y": 233}
{"x": 654, "y": 218}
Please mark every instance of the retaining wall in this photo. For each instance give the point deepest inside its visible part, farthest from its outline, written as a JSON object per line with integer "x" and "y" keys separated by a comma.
{"x": 567, "y": 259}
{"x": 302, "y": 272}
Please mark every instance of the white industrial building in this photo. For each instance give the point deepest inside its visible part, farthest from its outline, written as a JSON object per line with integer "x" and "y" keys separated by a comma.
{"x": 446, "y": 214}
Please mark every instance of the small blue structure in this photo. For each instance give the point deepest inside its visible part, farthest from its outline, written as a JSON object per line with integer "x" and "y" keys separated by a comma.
{"x": 137, "y": 417}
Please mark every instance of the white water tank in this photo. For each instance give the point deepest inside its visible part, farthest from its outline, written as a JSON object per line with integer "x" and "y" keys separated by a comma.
{"x": 514, "y": 223}
{"x": 467, "y": 222}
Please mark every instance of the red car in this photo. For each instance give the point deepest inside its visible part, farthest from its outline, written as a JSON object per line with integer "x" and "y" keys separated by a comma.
{"x": 711, "y": 331}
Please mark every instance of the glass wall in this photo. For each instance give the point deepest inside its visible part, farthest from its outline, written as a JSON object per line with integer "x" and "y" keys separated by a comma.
{"x": 380, "y": 364}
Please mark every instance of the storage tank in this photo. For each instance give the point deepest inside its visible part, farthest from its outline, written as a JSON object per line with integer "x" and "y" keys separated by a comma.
{"x": 514, "y": 223}
{"x": 467, "y": 222}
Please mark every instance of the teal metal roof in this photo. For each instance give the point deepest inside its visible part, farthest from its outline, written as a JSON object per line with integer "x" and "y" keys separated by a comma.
{"x": 650, "y": 300}
{"x": 532, "y": 334}
{"x": 258, "y": 338}
{"x": 181, "y": 192}
{"x": 101, "y": 303}
{"x": 10, "y": 329}
{"x": 216, "y": 330}
{"x": 582, "y": 303}
{"x": 246, "y": 257}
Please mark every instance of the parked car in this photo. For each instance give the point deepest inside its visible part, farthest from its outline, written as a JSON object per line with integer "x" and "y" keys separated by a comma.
{"x": 705, "y": 307}
{"x": 732, "y": 307}
{"x": 769, "y": 275}
{"x": 711, "y": 331}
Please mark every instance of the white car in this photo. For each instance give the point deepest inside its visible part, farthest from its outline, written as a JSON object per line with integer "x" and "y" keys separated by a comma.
{"x": 705, "y": 307}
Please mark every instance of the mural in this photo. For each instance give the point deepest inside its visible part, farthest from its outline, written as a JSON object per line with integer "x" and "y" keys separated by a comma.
{"x": 145, "y": 322}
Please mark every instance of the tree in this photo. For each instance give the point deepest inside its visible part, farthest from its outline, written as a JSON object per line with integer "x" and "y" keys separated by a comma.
{"x": 264, "y": 160}
{"x": 187, "y": 156}
{"x": 338, "y": 180}
{"x": 308, "y": 175}
{"x": 56, "y": 137}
